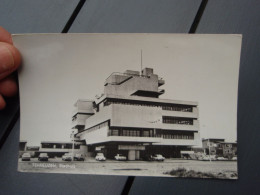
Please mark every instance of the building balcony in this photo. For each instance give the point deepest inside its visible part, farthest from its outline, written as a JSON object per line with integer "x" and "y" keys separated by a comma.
{"x": 79, "y": 119}
{"x": 160, "y": 82}
{"x": 89, "y": 111}
{"x": 161, "y": 91}
{"x": 78, "y": 122}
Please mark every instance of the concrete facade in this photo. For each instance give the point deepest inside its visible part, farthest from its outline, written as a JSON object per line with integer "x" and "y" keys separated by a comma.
{"x": 130, "y": 118}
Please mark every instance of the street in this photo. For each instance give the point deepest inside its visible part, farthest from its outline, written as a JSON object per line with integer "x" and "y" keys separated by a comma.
{"x": 136, "y": 168}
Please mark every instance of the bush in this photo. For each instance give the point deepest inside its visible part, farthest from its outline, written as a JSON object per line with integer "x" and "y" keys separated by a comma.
{"x": 182, "y": 172}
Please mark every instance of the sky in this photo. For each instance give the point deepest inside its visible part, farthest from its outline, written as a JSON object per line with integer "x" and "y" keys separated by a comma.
{"x": 58, "y": 69}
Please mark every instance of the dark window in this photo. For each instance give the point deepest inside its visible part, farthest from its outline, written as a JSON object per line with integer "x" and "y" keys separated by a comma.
{"x": 177, "y": 120}
{"x": 170, "y": 134}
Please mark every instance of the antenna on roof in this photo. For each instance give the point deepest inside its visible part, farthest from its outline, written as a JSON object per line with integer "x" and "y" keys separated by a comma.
{"x": 141, "y": 62}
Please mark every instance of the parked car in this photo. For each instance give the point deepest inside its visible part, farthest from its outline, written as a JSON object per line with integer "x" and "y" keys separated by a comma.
{"x": 26, "y": 157}
{"x": 221, "y": 158}
{"x": 234, "y": 158}
{"x": 79, "y": 157}
{"x": 43, "y": 157}
{"x": 120, "y": 157}
{"x": 157, "y": 157}
{"x": 148, "y": 158}
{"x": 100, "y": 157}
{"x": 67, "y": 157}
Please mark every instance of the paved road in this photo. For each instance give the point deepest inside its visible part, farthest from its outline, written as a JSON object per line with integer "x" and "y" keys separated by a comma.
{"x": 137, "y": 168}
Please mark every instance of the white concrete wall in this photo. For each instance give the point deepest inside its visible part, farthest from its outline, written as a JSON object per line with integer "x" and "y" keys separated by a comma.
{"x": 57, "y": 150}
{"x": 136, "y": 116}
{"x": 177, "y": 142}
{"x": 95, "y": 136}
{"x": 134, "y": 139}
{"x": 101, "y": 116}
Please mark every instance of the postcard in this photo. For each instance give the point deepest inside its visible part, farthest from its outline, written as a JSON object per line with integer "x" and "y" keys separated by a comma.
{"x": 129, "y": 104}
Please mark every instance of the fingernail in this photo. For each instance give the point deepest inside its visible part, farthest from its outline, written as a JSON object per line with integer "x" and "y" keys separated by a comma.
{"x": 6, "y": 59}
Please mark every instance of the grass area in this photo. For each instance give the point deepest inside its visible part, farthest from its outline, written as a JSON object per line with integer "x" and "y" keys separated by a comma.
{"x": 182, "y": 172}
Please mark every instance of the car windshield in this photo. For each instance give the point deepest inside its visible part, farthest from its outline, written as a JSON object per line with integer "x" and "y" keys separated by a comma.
{"x": 43, "y": 154}
{"x": 99, "y": 154}
{"x": 26, "y": 154}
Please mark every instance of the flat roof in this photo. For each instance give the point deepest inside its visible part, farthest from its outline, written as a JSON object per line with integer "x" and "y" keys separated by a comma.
{"x": 83, "y": 100}
{"x": 55, "y": 142}
{"x": 147, "y": 99}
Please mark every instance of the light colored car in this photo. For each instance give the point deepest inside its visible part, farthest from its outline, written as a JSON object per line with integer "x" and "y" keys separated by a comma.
{"x": 234, "y": 158}
{"x": 100, "y": 157}
{"x": 221, "y": 158}
{"x": 206, "y": 157}
{"x": 67, "y": 157}
{"x": 26, "y": 157}
{"x": 158, "y": 157}
{"x": 120, "y": 157}
{"x": 43, "y": 157}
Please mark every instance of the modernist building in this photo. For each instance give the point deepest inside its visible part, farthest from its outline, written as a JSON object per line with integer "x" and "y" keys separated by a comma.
{"x": 57, "y": 149}
{"x": 129, "y": 118}
{"x": 219, "y": 147}
{"x": 211, "y": 145}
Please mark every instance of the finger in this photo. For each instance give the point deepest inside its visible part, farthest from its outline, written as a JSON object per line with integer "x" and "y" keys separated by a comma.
{"x": 8, "y": 87}
{"x": 10, "y": 59}
{"x": 5, "y": 36}
{"x": 2, "y": 103}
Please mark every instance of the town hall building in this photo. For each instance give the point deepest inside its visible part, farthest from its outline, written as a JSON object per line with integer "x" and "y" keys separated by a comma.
{"x": 130, "y": 119}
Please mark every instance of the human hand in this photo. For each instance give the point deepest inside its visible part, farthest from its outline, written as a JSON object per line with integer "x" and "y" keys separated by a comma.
{"x": 10, "y": 60}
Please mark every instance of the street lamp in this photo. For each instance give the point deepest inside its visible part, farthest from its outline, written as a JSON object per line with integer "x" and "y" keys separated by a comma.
{"x": 73, "y": 144}
{"x": 209, "y": 150}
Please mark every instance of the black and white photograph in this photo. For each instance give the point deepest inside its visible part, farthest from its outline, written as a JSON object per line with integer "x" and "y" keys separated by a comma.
{"x": 160, "y": 105}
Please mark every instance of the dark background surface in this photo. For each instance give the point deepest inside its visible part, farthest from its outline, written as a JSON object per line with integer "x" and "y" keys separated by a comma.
{"x": 143, "y": 16}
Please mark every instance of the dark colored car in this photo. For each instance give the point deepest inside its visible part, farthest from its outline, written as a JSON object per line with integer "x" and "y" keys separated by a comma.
{"x": 147, "y": 158}
{"x": 79, "y": 157}
{"x": 43, "y": 157}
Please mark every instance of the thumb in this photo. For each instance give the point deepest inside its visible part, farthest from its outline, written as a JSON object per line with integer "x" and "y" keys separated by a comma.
{"x": 10, "y": 59}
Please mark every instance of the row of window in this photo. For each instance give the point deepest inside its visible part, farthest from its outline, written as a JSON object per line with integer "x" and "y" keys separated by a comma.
{"x": 150, "y": 133}
{"x": 177, "y": 120}
{"x": 178, "y": 108}
{"x": 131, "y": 133}
{"x": 60, "y": 146}
{"x": 172, "y": 136}
{"x": 181, "y": 108}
